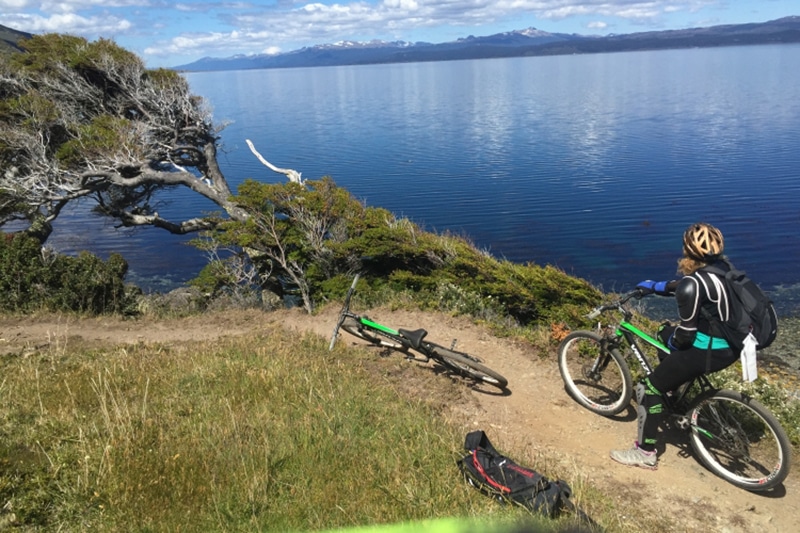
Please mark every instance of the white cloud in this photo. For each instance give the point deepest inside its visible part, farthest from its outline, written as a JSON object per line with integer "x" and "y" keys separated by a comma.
{"x": 226, "y": 27}
{"x": 408, "y": 5}
{"x": 71, "y": 6}
{"x": 68, "y": 23}
{"x": 290, "y": 26}
{"x": 8, "y": 5}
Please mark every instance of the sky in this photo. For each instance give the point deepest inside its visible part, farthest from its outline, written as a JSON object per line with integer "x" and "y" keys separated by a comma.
{"x": 169, "y": 33}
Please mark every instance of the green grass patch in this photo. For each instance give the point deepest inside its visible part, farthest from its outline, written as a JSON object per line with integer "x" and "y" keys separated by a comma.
{"x": 256, "y": 433}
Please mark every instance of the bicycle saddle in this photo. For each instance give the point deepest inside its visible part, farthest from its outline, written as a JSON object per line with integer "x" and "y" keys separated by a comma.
{"x": 414, "y": 337}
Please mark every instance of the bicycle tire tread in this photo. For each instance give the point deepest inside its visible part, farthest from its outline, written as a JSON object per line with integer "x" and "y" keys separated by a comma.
{"x": 467, "y": 366}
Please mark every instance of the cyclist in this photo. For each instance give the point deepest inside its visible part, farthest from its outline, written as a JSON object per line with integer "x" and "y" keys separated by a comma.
{"x": 693, "y": 351}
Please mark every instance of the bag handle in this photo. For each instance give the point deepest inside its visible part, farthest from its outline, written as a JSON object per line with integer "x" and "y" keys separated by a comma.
{"x": 478, "y": 439}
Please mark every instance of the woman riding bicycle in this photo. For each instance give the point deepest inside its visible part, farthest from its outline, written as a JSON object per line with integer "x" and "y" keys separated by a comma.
{"x": 693, "y": 350}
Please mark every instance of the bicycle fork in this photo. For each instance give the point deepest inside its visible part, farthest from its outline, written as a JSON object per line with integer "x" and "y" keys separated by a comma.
{"x": 594, "y": 372}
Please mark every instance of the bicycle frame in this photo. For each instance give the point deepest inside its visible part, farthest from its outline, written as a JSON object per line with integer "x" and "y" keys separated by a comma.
{"x": 732, "y": 434}
{"x": 407, "y": 340}
{"x": 399, "y": 337}
{"x": 379, "y": 328}
{"x": 628, "y": 332}
{"x": 394, "y": 335}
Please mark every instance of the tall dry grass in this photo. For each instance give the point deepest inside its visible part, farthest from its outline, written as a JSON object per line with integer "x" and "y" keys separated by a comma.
{"x": 266, "y": 432}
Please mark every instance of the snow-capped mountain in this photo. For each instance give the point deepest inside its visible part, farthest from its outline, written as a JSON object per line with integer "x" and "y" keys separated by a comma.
{"x": 526, "y": 42}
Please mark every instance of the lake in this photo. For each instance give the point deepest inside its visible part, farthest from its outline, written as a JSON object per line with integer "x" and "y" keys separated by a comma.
{"x": 594, "y": 163}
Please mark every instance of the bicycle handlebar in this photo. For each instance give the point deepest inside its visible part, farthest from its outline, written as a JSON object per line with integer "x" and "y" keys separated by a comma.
{"x": 615, "y": 305}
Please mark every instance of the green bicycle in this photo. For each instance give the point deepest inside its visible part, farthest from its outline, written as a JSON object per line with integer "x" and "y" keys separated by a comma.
{"x": 733, "y": 435}
{"x": 406, "y": 340}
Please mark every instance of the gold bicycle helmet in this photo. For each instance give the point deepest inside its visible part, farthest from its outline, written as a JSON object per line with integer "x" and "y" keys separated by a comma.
{"x": 703, "y": 242}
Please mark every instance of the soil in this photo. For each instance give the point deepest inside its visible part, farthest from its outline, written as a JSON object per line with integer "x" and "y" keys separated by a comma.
{"x": 534, "y": 414}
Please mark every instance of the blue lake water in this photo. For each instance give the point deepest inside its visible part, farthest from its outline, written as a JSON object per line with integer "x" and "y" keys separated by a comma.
{"x": 593, "y": 163}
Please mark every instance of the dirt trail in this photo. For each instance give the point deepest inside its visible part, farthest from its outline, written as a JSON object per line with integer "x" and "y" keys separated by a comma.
{"x": 535, "y": 415}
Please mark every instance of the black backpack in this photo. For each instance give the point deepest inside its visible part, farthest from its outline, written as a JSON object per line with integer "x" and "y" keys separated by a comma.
{"x": 751, "y": 311}
{"x": 503, "y": 479}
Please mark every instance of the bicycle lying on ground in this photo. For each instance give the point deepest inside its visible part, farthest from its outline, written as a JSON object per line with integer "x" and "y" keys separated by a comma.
{"x": 733, "y": 435}
{"x": 406, "y": 340}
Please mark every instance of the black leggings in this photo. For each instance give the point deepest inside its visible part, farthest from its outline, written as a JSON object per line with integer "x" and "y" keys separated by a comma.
{"x": 681, "y": 366}
{"x": 675, "y": 369}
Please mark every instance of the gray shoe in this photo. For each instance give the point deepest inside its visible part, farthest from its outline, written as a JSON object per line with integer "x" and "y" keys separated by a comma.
{"x": 636, "y": 457}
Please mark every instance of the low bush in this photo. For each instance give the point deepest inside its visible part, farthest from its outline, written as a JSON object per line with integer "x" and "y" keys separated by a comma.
{"x": 306, "y": 242}
{"x": 35, "y": 278}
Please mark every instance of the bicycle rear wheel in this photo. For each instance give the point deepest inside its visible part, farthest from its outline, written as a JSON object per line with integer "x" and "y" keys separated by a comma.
{"x": 738, "y": 439}
{"x": 596, "y": 377}
{"x": 467, "y": 366}
{"x": 356, "y": 329}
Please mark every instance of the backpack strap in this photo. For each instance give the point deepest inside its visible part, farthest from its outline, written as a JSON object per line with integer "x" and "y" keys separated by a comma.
{"x": 714, "y": 267}
{"x": 714, "y": 322}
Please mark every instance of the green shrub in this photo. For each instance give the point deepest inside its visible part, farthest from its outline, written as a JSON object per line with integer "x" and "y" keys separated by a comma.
{"x": 34, "y": 278}
{"x": 313, "y": 238}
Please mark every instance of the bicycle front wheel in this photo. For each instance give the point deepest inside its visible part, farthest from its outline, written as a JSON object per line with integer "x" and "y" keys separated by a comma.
{"x": 339, "y": 322}
{"x": 598, "y": 378}
{"x": 467, "y": 366}
{"x": 738, "y": 439}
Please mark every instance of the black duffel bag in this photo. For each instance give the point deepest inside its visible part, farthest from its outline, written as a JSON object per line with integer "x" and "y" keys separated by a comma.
{"x": 503, "y": 479}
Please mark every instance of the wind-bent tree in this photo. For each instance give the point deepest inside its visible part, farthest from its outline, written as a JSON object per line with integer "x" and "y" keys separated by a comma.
{"x": 81, "y": 120}
{"x": 85, "y": 120}
{"x": 296, "y": 234}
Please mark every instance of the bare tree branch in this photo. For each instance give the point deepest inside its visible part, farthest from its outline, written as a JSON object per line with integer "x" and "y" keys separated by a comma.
{"x": 88, "y": 120}
{"x": 293, "y": 175}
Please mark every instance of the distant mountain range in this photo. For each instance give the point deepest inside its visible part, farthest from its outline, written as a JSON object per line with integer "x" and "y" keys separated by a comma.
{"x": 520, "y": 43}
{"x": 529, "y": 42}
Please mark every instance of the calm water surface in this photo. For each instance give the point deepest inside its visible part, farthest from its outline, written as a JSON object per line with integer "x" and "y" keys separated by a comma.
{"x": 594, "y": 163}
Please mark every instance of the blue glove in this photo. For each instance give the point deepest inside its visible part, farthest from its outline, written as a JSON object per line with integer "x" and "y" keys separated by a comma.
{"x": 649, "y": 287}
{"x": 646, "y": 287}
{"x": 661, "y": 288}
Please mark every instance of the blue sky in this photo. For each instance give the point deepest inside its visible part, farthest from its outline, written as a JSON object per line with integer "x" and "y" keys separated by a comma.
{"x": 168, "y": 33}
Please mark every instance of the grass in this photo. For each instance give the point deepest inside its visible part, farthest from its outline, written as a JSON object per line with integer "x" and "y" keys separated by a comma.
{"x": 256, "y": 433}
{"x": 263, "y": 432}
